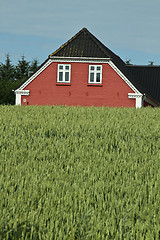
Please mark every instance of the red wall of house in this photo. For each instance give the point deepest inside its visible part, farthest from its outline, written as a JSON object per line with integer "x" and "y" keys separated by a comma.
{"x": 44, "y": 89}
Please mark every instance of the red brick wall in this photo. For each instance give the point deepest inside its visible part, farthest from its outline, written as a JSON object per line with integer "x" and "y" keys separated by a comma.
{"x": 44, "y": 89}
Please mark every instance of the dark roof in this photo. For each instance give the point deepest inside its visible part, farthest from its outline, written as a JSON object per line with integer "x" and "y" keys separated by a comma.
{"x": 83, "y": 44}
{"x": 147, "y": 80}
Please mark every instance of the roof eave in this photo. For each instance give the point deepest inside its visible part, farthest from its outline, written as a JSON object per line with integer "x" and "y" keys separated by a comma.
{"x": 80, "y": 58}
{"x": 150, "y": 100}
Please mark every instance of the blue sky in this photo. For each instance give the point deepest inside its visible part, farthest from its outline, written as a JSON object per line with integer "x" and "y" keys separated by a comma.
{"x": 36, "y": 28}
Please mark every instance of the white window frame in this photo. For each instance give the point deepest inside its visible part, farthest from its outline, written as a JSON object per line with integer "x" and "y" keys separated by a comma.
{"x": 94, "y": 72}
{"x": 63, "y": 71}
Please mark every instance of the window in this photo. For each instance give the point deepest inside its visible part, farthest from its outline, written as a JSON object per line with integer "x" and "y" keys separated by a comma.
{"x": 64, "y": 72}
{"x": 95, "y": 74}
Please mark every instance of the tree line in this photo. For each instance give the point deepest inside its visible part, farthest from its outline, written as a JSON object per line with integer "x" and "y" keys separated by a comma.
{"x": 11, "y": 76}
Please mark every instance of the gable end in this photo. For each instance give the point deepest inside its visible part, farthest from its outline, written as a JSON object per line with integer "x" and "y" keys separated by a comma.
{"x": 27, "y": 82}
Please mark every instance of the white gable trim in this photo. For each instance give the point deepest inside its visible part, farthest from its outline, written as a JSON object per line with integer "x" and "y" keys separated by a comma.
{"x": 80, "y": 59}
{"x": 138, "y": 97}
{"x": 18, "y": 94}
{"x": 96, "y": 60}
{"x": 27, "y": 82}
{"x": 62, "y": 59}
{"x": 123, "y": 77}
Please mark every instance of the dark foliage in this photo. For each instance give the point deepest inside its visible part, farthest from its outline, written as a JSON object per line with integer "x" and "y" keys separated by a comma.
{"x": 12, "y": 76}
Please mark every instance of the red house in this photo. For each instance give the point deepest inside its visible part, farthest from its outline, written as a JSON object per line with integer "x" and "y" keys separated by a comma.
{"x": 85, "y": 72}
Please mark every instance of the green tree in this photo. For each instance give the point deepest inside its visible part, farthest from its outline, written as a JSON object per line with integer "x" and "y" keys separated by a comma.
{"x": 7, "y": 70}
{"x": 22, "y": 69}
{"x": 7, "y": 95}
{"x": 12, "y": 76}
{"x": 7, "y": 81}
{"x": 34, "y": 65}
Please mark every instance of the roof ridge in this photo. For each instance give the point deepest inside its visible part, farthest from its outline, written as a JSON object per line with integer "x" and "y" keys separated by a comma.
{"x": 66, "y": 43}
{"x": 98, "y": 43}
{"x": 95, "y": 40}
{"x": 102, "y": 46}
{"x": 106, "y": 51}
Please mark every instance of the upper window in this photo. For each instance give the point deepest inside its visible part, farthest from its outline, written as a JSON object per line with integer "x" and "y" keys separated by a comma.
{"x": 95, "y": 74}
{"x": 64, "y": 73}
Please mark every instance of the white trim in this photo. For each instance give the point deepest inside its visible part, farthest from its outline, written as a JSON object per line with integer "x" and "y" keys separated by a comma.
{"x": 95, "y": 71}
{"x": 135, "y": 95}
{"x": 138, "y": 97}
{"x": 22, "y": 92}
{"x": 123, "y": 77}
{"x": 63, "y": 59}
{"x": 139, "y": 102}
{"x": 18, "y": 94}
{"x": 64, "y": 71}
{"x": 80, "y": 59}
{"x": 27, "y": 82}
{"x": 97, "y": 60}
{"x": 18, "y": 99}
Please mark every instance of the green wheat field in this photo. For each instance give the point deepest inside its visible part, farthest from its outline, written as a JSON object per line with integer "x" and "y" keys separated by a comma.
{"x": 70, "y": 173}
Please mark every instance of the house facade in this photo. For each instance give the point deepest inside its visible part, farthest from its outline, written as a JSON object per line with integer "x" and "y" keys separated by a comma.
{"x": 85, "y": 72}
